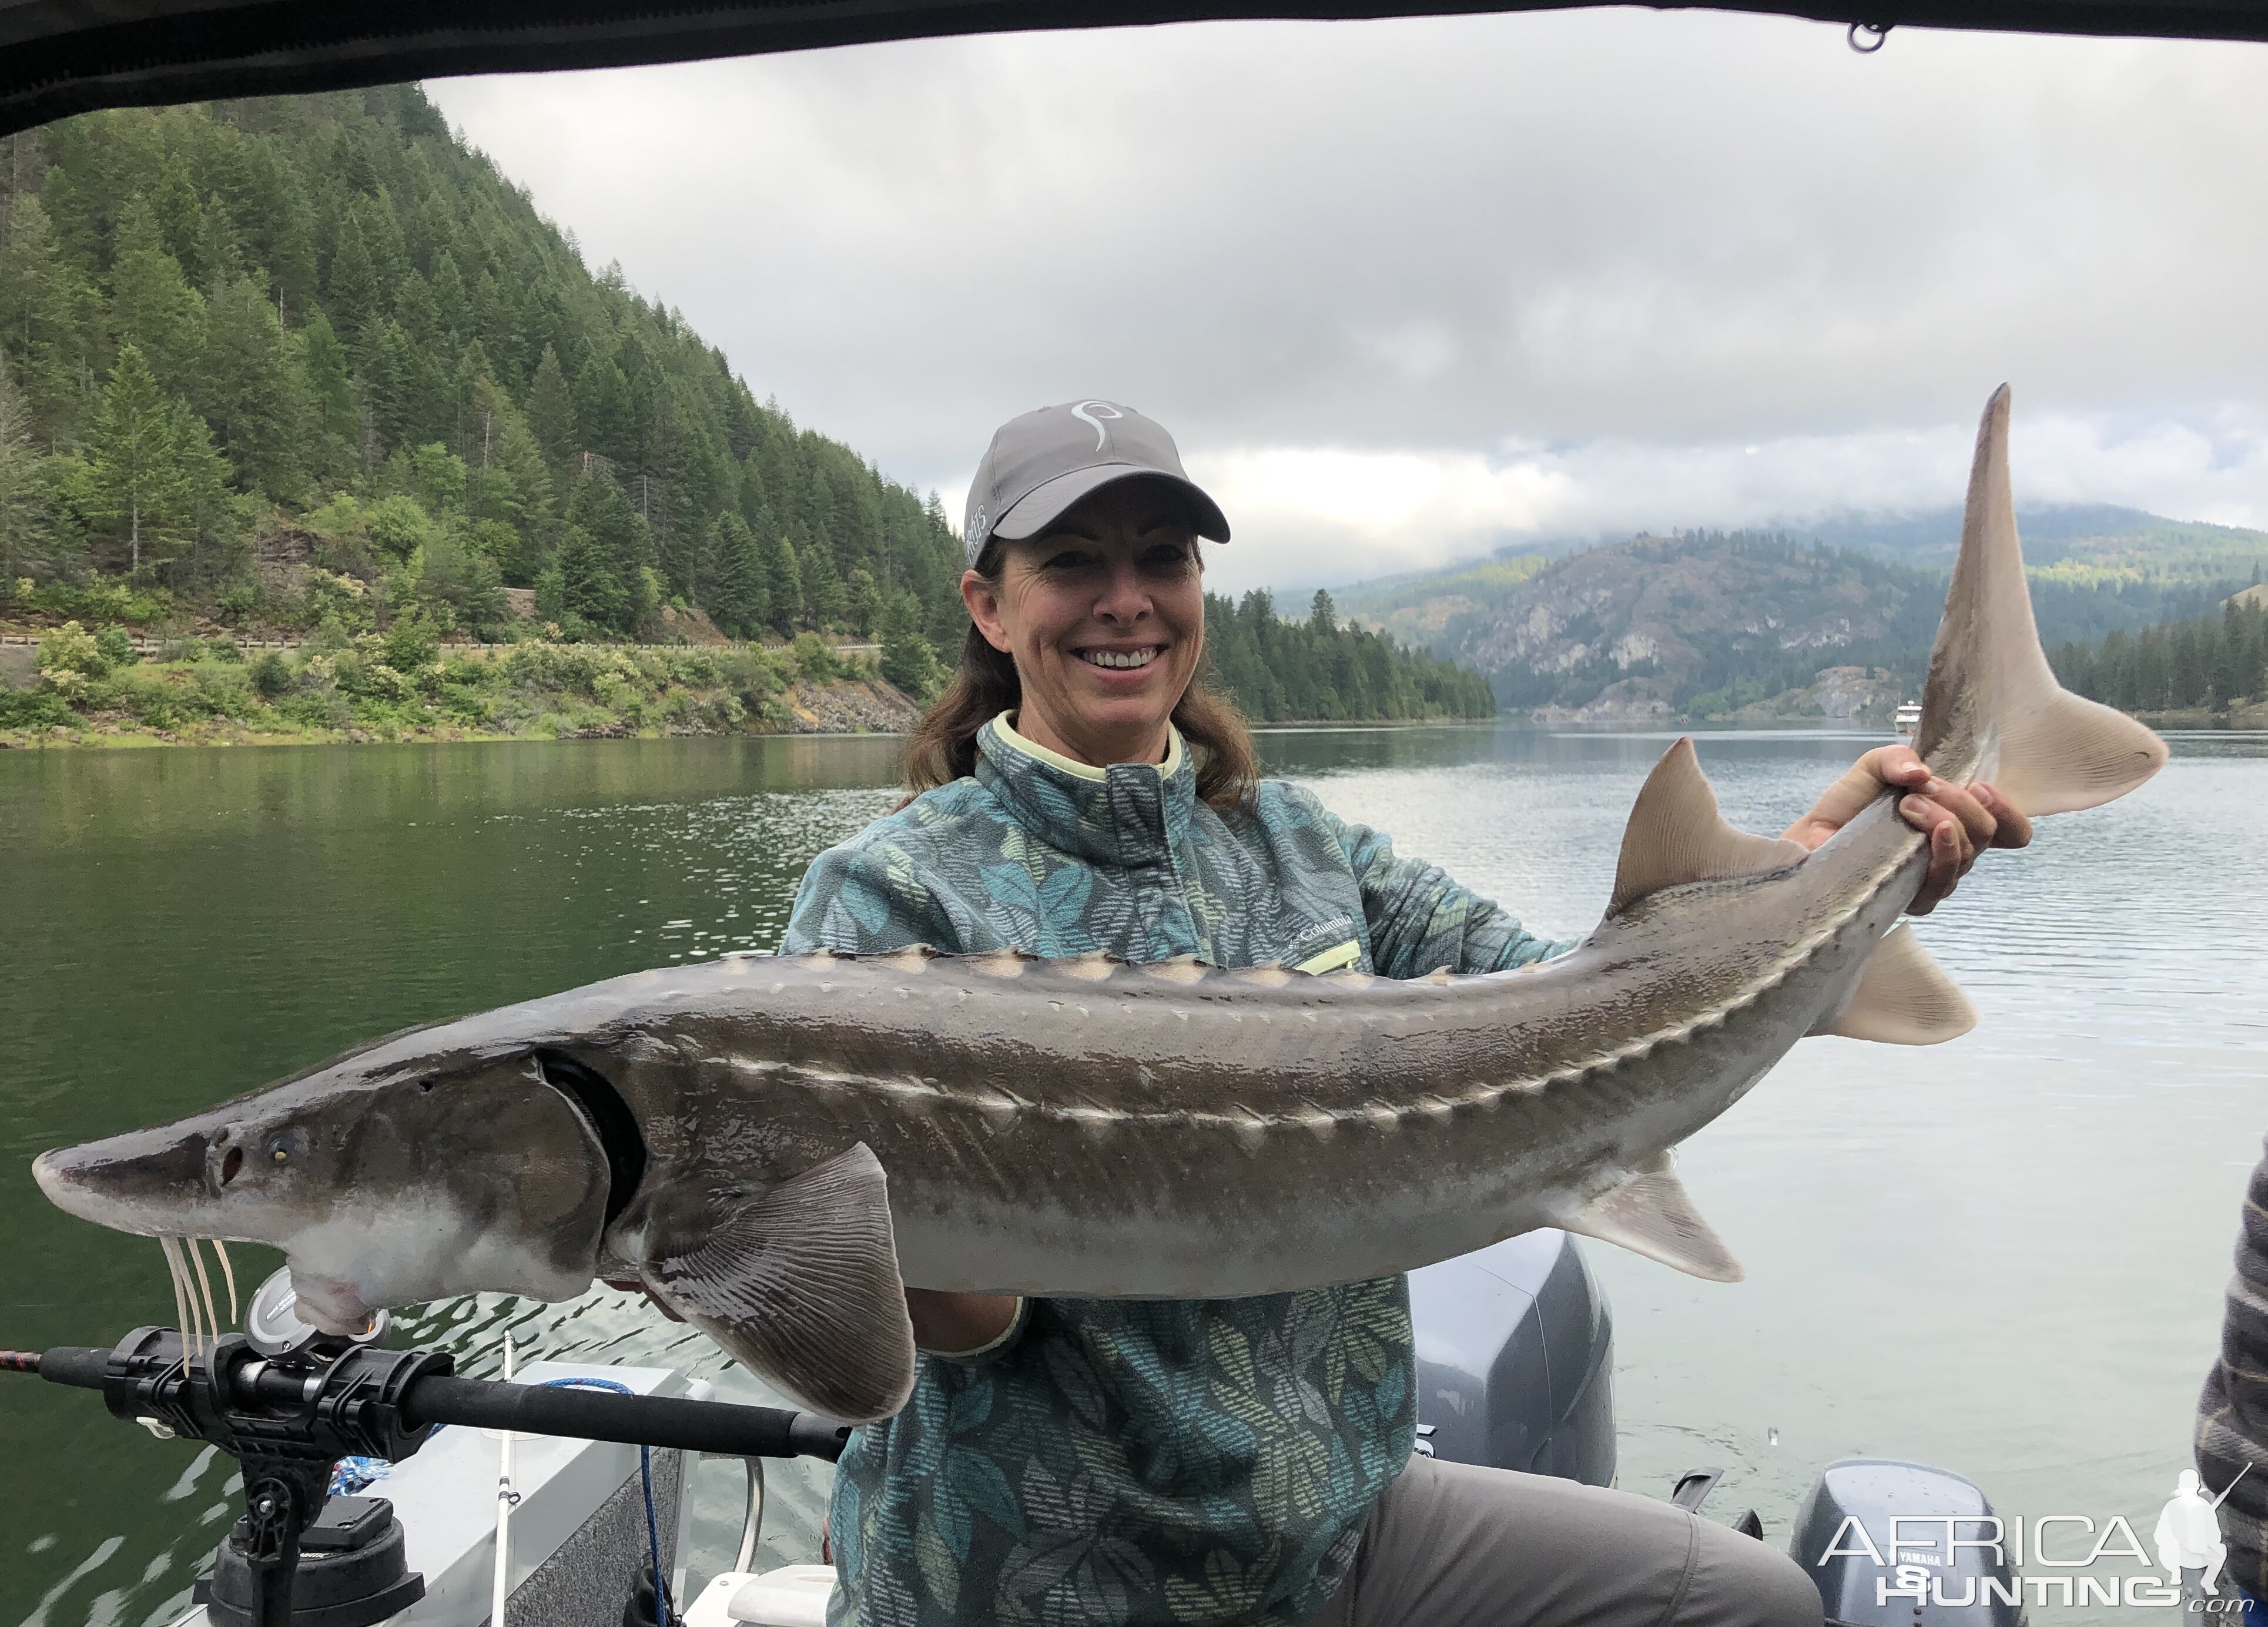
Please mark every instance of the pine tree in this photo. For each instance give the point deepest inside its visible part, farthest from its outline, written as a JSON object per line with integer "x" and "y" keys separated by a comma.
{"x": 152, "y": 304}
{"x": 782, "y": 581}
{"x": 333, "y": 448}
{"x": 742, "y": 599}
{"x": 415, "y": 309}
{"x": 861, "y": 601}
{"x": 173, "y": 200}
{"x": 140, "y": 463}
{"x": 249, "y": 391}
{"x": 589, "y": 585}
{"x": 451, "y": 308}
{"x": 290, "y": 257}
{"x": 39, "y": 296}
{"x": 220, "y": 257}
{"x": 822, "y": 588}
{"x": 515, "y": 466}
{"x": 600, "y": 510}
{"x": 551, "y": 410}
{"x": 353, "y": 298}
{"x": 754, "y": 503}
{"x": 908, "y": 661}
{"x": 607, "y": 420}
{"x": 25, "y": 543}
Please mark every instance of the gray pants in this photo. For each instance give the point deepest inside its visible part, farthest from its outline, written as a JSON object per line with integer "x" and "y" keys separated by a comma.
{"x": 1450, "y": 1545}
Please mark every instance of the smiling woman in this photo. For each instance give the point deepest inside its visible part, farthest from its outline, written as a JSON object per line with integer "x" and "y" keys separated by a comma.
{"x": 1118, "y": 1461}
{"x": 1086, "y": 598}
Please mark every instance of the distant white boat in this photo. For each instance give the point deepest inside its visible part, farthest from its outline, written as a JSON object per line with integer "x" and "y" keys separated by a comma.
{"x": 1909, "y": 717}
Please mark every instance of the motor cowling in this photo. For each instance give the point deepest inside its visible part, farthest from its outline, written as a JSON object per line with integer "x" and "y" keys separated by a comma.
{"x": 1892, "y": 1544}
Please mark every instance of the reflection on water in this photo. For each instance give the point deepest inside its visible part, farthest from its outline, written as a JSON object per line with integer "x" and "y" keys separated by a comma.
{"x": 2005, "y": 1255}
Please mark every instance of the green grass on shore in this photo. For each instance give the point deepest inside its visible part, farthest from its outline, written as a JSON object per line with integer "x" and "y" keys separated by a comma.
{"x": 91, "y": 690}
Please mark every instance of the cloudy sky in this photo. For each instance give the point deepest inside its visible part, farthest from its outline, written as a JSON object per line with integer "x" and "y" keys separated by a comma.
{"x": 1409, "y": 291}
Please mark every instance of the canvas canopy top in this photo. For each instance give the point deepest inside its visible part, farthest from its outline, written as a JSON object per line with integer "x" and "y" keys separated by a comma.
{"x": 65, "y": 57}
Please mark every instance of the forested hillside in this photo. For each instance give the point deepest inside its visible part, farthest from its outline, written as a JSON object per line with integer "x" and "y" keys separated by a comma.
{"x": 1320, "y": 670}
{"x": 2080, "y": 544}
{"x": 323, "y": 316}
{"x": 2209, "y": 662}
{"x": 311, "y": 363}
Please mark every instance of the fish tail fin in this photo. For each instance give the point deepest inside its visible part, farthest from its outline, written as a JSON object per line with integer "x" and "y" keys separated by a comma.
{"x": 1991, "y": 707}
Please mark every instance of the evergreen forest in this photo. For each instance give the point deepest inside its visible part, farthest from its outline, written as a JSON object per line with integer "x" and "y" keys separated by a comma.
{"x": 311, "y": 362}
{"x": 1319, "y": 670}
{"x": 323, "y": 317}
{"x": 2208, "y": 662}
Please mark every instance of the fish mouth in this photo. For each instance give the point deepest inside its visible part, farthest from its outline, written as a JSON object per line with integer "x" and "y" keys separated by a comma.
{"x": 330, "y": 1304}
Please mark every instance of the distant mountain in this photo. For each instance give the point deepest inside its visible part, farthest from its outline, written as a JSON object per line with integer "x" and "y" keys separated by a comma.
{"x": 2073, "y": 543}
{"x": 1751, "y": 624}
{"x": 2081, "y": 545}
{"x": 1435, "y": 609}
{"x": 1665, "y": 626}
{"x": 1834, "y": 617}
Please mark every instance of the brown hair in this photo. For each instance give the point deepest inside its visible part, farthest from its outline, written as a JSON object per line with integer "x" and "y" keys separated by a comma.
{"x": 942, "y": 748}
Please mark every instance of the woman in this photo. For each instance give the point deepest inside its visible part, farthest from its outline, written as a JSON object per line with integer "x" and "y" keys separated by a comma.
{"x": 1204, "y": 1461}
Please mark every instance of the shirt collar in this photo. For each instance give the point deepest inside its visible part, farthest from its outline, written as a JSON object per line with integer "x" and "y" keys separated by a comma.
{"x": 1130, "y": 813}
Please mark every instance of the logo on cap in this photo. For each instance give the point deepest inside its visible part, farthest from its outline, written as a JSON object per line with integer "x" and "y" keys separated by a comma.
{"x": 1093, "y": 413}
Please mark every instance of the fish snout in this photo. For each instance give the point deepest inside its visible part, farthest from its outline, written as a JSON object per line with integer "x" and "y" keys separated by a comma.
{"x": 52, "y": 1172}
{"x": 153, "y": 1182}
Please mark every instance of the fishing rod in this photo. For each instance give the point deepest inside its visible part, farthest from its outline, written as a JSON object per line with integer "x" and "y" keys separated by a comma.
{"x": 288, "y": 1402}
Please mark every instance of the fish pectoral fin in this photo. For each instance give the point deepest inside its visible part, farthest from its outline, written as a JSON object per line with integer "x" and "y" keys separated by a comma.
{"x": 1677, "y": 837}
{"x": 801, "y": 1285}
{"x": 1902, "y": 998}
{"x": 1650, "y": 1214}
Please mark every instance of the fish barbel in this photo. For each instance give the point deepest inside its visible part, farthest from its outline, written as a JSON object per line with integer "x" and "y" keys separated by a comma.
{"x": 775, "y": 1145}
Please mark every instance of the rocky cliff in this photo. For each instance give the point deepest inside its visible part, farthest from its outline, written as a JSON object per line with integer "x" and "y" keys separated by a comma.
{"x": 1709, "y": 623}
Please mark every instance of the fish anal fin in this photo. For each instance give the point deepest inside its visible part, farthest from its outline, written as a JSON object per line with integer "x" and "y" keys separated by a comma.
{"x": 1651, "y": 1214}
{"x": 801, "y": 1285}
{"x": 1903, "y": 997}
{"x": 1677, "y": 837}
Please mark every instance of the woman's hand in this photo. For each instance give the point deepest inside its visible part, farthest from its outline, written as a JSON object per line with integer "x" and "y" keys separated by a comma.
{"x": 1960, "y": 822}
{"x": 956, "y": 1323}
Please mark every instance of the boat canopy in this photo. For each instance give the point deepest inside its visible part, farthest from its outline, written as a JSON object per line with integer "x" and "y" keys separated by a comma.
{"x": 65, "y": 57}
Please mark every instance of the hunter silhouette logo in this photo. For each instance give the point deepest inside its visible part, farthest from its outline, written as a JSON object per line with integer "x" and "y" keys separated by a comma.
{"x": 2188, "y": 1536}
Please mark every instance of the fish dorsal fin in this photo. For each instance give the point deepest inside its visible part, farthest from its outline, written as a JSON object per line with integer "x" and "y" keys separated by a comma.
{"x": 1676, "y": 835}
{"x": 801, "y": 1285}
{"x": 1903, "y": 997}
{"x": 1650, "y": 1214}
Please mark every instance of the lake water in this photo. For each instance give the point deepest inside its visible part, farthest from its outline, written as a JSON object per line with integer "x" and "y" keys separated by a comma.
{"x": 2005, "y": 1255}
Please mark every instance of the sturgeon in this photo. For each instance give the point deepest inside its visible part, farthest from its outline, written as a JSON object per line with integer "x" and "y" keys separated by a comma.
{"x": 775, "y": 1145}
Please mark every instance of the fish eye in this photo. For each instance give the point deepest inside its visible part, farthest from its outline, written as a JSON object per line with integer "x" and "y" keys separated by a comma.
{"x": 286, "y": 1145}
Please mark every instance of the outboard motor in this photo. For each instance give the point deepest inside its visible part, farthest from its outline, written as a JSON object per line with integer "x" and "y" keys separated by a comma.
{"x": 1515, "y": 1347}
{"x": 1942, "y": 1563}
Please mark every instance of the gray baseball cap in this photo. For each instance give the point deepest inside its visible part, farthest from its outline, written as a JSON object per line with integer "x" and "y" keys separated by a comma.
{"x": 1041, "y": 463}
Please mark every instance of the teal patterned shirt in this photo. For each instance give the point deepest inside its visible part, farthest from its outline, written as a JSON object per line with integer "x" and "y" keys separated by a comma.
{"x": 1120, "y": 1461}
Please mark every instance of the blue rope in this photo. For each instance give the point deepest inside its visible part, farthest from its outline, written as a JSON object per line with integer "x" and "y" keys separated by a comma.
{"x": 645, "y": 1478}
